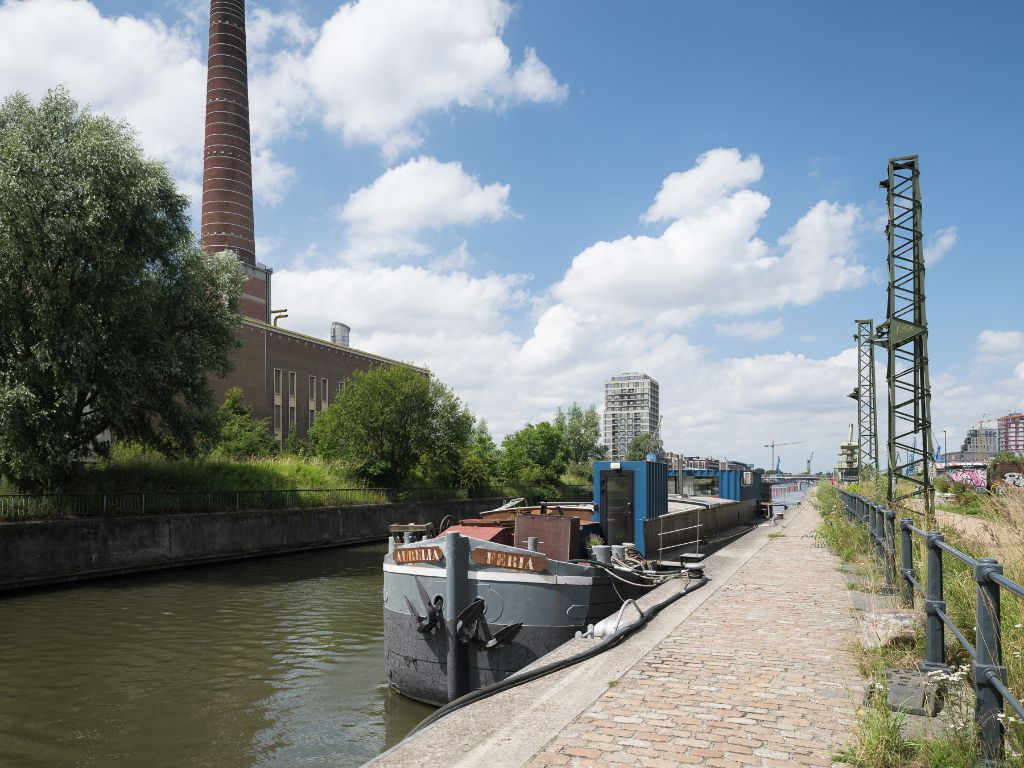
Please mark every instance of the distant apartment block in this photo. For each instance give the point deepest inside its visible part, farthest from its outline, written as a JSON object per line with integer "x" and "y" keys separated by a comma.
{"x": 969, "y": 449}
{"x": 631, "y": 407}
{"x": 1011, "y": 432}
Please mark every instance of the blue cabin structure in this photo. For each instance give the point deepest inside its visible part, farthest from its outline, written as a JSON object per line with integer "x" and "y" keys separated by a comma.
{"x": 626, "y": 493}
{"x": 734, "y": 484}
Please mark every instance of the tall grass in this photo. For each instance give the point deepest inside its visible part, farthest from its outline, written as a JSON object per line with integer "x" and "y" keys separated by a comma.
{"x": 131, "y": 469}
{"x": 844, "y": 537}
{"x": 876, "y": 744}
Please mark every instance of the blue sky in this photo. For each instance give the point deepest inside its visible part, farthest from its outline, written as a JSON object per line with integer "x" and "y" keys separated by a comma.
{"x": 488, "y": 188}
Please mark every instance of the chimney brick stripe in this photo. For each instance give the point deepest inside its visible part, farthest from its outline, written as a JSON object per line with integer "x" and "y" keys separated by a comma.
{"x": 233, "y": 219}
{"x": 235, "y": 213}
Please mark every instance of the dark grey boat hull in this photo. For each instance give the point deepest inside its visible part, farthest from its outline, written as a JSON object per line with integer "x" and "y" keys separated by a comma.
{"x": 551, "y": 608}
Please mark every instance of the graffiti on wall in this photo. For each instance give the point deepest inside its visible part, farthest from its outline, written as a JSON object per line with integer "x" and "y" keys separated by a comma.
{"x": 976, "y": 477}
{"x": 1009, "y": 473}
{"x": 1014, "y": 478}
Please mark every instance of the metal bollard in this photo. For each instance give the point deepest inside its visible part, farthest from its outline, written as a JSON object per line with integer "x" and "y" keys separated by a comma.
{"x": 989, "y": 663}
{"x": 455, "y": 601}
{"x": 907, "y": 559}
{"x": 935, "y": 630}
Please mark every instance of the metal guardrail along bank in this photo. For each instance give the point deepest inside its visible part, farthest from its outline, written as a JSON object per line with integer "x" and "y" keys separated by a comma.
{"x": 15, "y": 507}
{"x": 988, "y": 670}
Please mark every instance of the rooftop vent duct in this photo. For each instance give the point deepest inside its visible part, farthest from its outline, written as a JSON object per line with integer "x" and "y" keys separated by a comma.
{"x": 340, "y": 334}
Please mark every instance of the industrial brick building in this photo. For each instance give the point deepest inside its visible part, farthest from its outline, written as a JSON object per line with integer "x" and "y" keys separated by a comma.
{"x": 631, "y": 407}
{"x": 286, "y": 377}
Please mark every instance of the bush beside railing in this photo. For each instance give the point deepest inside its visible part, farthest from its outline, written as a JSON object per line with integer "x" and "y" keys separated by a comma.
{"x": 989, "y": 676}
{"x": 14, "y": 507}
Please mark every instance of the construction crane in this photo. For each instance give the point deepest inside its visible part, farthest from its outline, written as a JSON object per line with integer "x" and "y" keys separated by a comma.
{"x": 809, "y": 462}
{"x": 772, "y": 445}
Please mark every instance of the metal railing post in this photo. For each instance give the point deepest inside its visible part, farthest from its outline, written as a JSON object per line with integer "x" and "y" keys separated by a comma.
{"x": 989, "y": 662}
{"x": 889, "y": 548}
{"x": 877, "y": 531}
{"x": 934, "y": 629}
{"x": 907, "y": 559}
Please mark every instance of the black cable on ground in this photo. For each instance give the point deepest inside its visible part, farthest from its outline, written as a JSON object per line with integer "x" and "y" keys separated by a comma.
{"x": 516, "y": 680}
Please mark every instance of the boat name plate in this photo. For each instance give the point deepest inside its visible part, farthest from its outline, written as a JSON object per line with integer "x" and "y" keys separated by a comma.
{"x": 513, "y": 560}
{"x": 418, "y": 555}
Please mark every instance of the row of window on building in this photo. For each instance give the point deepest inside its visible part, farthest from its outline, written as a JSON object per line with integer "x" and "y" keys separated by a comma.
{"x": 314, "y": 403}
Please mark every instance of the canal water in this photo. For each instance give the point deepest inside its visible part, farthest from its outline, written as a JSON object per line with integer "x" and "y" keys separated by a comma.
{"x": 265, "y": 663}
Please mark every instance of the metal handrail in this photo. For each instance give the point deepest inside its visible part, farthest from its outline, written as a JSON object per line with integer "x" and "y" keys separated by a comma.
{"x": 917, "y": 585}
{"x": 1006, "y": 693}
{"x": 1005, "y": 583}
{"x": 961, "y": 556}
{"x": 957, "y": 633}
{"x": 988, "y": 672}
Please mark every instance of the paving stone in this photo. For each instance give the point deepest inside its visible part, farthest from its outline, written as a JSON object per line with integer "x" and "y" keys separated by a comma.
{"x": 759, "y": 676}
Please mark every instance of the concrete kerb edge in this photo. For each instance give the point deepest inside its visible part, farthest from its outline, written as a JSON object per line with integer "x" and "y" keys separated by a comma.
{"x": 518, "y": 738}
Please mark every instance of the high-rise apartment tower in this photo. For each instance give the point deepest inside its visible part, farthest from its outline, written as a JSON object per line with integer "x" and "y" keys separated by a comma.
{"x": 631, "y": 408}
{"x": 1011, "y": 433}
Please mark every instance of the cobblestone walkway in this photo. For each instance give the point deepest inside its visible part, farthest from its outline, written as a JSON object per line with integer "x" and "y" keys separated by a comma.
{"x": 777, "y": 688}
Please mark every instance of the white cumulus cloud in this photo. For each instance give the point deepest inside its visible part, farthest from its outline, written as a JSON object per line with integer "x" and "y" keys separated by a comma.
{"x": 381, "y": 65}
{"x": 1000, "y": 343}
{"x": 621, "y": 305}
{"x": 135, "y": 69}
{"x": 387, "y": 216}
{"x": 717, "y": 174}
{"x": 754, "y": 329}
{"x": 372, "y": 71}
{"x": 710, "y": 260}
{"x": 939, "y": 245}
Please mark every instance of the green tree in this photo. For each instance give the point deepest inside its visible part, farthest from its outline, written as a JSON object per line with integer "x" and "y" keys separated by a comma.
{"x": 481, "y": 462}
{"x": 240, "y": 435}
{"x": 113, "y": 316}
{"x": 443, "y": 462}
{"x": 643, "y": 444}
{"x": 388, "y": 420}
{"x": 581, "y": 433}
{"x": 535, "y": 454}
{"x": 293, "y": 444}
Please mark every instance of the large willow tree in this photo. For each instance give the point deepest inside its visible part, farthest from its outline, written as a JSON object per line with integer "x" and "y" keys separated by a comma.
{"x": 111, "y": 314}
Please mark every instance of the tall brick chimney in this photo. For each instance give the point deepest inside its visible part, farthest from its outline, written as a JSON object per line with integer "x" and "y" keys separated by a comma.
{"x": 227, "y": 220}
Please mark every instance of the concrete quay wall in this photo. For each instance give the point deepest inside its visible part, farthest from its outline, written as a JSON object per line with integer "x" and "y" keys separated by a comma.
{"x": 44, "y": 552}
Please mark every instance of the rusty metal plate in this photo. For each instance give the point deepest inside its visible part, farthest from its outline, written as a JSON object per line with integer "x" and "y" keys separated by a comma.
{"x": 557, "y": 537}
{"x": 534, "y": 563}
{"x": 403, "y": 555}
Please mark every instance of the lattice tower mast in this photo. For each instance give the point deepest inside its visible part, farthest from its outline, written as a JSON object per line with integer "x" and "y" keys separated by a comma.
{"x": 905, "y": 336}
{"x": 867, "y": 414}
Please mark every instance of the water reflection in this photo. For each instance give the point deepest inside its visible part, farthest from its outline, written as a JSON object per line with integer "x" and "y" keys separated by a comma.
{"x": 271, "y": 662}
